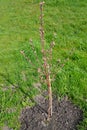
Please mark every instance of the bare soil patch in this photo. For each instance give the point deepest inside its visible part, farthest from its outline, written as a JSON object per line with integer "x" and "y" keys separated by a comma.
{"x": 66, "y": 116}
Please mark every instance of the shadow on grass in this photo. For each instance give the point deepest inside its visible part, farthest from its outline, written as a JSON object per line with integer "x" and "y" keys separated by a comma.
{"x": 7, "y": 79}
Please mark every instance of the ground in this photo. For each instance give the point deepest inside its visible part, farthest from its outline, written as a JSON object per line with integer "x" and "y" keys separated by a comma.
{"x": 66, "y": 116}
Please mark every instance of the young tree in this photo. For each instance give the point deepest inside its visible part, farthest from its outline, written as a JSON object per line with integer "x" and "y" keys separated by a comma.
{"x": 46, "y": 57}
{"x": 45, "y": 61}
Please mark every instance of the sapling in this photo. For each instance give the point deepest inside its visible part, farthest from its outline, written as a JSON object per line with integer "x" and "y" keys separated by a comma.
{"x": 44, "y": 69}
{"x": 45, "y": 62}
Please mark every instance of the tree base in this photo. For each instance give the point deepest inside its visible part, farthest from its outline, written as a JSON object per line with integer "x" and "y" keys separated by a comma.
{"x": 66, "y": 116}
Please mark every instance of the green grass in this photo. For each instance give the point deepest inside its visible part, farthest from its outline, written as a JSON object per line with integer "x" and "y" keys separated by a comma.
{"x": 66, "y": 24}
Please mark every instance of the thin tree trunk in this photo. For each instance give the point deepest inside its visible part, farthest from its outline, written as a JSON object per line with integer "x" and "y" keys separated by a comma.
{"x": 49, "y": 94}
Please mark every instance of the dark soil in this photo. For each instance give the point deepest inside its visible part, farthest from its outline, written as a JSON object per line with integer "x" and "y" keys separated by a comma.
{"x": 66, "y": 116}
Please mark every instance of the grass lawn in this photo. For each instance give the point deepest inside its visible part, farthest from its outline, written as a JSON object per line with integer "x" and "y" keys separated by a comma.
{"x": 66, "y": 24}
